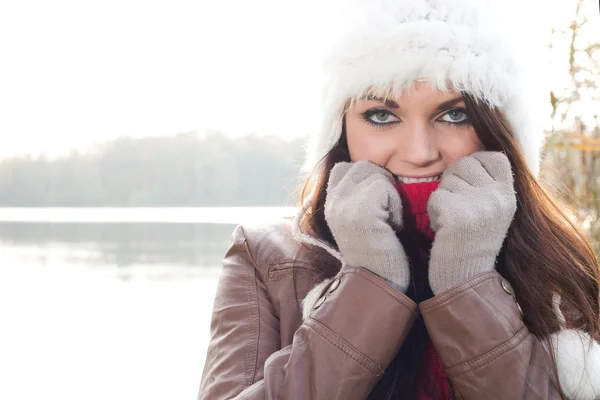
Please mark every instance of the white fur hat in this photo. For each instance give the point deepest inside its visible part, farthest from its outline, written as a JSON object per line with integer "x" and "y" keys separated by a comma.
{"x": 383, "y": 46}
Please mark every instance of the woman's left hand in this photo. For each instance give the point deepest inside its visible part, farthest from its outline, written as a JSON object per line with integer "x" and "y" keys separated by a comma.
{"x": 470, "y": 212}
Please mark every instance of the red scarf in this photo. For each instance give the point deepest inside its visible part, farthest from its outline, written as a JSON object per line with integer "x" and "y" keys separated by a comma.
{"x": 414, "y": 206}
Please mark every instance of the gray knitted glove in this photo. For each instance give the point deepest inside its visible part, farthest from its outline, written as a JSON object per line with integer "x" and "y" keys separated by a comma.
{"x": 361, "y": 208}
{"x": 470, "y": 212}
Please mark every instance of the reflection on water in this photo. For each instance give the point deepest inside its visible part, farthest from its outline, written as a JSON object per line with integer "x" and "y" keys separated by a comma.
{"x": 106, "y": 310}
{"x": 122, "y": 244}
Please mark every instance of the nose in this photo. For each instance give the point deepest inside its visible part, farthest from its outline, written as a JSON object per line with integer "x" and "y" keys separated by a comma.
{"x": 418, "y": 147}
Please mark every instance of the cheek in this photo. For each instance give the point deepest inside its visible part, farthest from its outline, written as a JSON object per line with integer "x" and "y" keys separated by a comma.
{"x": 365, "y": 143}
{"x": 456, "y": 145}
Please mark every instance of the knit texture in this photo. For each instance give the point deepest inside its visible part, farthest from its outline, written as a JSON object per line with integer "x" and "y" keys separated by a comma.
{"x": 470, "y": 212}
{"x": 414, "y": 206}
{"x": 362, "y": 209}
{"x": 431, "y": 377}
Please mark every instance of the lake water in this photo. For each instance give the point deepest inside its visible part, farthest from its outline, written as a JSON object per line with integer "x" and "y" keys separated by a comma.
{"x": 110, "y": 303}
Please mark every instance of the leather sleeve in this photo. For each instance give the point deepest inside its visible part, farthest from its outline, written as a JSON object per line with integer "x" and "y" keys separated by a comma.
{"x": 339, "y": 352}
{"x": 484, "y": 345}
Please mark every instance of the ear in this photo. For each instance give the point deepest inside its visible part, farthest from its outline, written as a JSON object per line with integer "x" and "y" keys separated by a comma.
{"x": 311, "y": 298}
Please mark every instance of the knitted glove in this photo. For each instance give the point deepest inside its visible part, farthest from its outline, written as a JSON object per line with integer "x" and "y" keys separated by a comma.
{"x": 470, "y": 212}
{"x": 361, "y": 208}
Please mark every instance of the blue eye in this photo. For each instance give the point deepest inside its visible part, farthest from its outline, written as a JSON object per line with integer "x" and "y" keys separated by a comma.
{"x": 379, "y": 117}
{"x": 456, "y": 116}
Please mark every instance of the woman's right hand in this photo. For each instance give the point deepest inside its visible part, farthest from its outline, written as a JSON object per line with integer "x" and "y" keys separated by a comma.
{"x": 362, "y": 209}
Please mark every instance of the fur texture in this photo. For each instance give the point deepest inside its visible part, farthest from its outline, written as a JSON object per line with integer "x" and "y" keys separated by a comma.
{"x": 384, "y": 46}
{"x": 577, "y": 358}
{"x": 302, "y": 237}
{"x": 578, "y": 362}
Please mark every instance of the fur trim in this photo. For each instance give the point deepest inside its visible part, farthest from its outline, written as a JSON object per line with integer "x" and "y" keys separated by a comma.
{"x": 311, "y": 240}
{"x": 578, "y": 361}
{"x": 385, "y": 46}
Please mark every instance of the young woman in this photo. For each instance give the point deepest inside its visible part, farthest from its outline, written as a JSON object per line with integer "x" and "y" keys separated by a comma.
{"x": 426, "y": 262}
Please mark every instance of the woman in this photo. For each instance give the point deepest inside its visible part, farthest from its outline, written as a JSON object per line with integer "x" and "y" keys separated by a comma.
{"x": 426, "y": 261}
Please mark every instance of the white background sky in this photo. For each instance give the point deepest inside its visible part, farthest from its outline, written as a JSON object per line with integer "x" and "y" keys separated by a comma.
{"x": 77, "y": 72}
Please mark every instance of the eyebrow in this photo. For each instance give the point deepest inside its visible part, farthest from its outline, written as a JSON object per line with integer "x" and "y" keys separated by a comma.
{"x": 447, "y": 104}
{"x": 442, "y": 107}
{"x": 387, "y": 102}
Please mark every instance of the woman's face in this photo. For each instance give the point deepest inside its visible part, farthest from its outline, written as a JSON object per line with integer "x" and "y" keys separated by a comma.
{"x": 417, "y": 135}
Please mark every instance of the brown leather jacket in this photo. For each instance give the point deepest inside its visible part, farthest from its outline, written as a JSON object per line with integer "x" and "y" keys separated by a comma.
{"x": 262, "y": 349}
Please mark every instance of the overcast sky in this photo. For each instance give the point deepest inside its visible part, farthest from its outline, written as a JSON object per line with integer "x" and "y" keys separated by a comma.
{"x": 76, "y": 72}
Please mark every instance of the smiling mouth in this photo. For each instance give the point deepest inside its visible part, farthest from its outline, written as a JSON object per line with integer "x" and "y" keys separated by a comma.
{"x": 402, "y": 179}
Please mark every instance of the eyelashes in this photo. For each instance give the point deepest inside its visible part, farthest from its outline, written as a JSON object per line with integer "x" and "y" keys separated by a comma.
{"x": 457, "y": 110}
{"x": 378, "y": 112}
{"x": 386, "y": 118}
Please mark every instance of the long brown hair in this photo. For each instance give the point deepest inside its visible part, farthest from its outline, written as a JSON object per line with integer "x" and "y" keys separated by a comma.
{"x": 543, "y": 254}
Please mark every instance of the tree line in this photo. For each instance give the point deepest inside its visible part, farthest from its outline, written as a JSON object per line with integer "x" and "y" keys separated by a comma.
{"x": 183, "y": 170}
